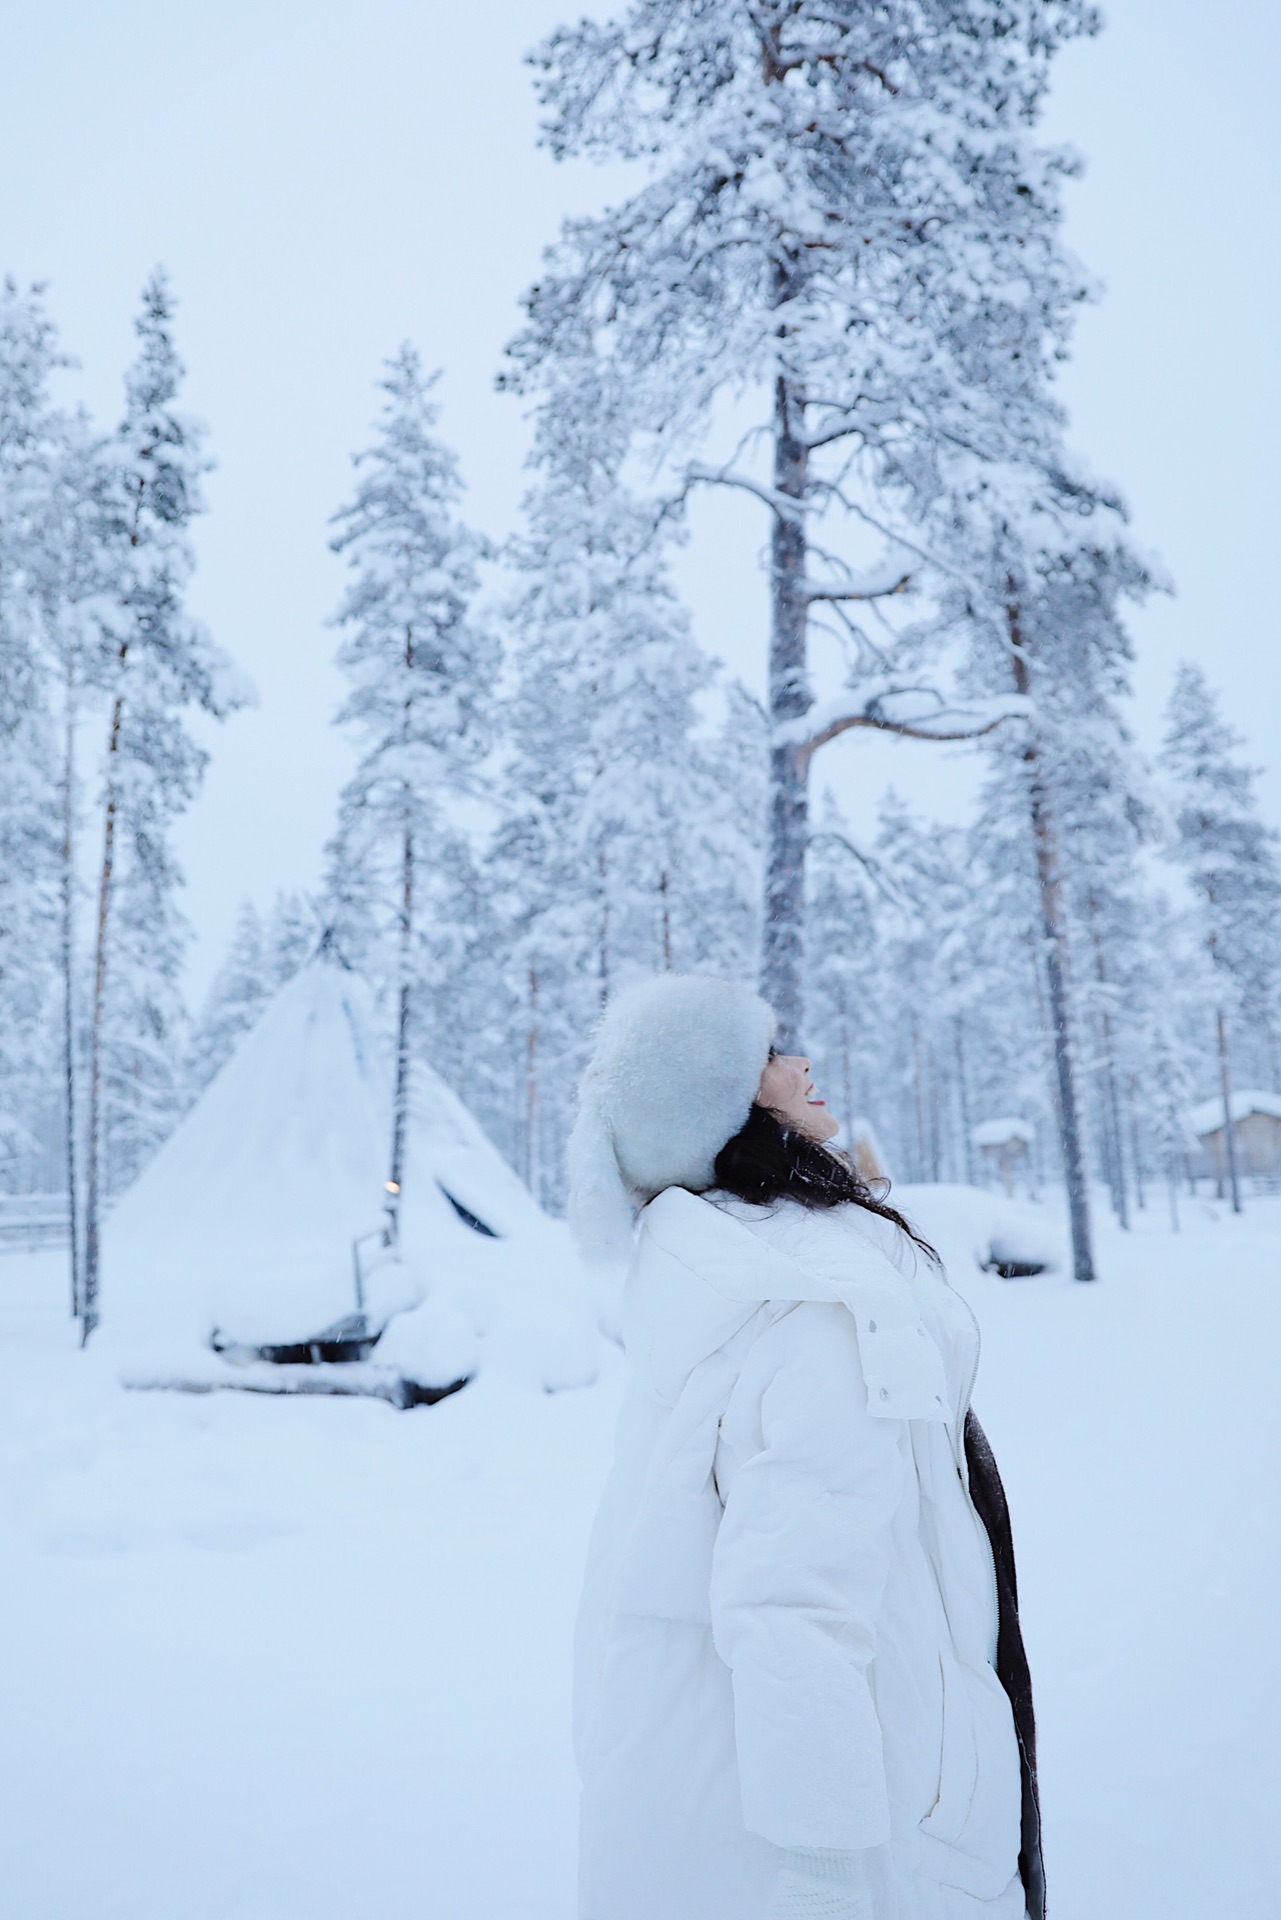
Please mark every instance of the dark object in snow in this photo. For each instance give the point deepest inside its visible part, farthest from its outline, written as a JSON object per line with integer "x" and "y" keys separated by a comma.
{"x": 1013, "y": 1269}
{"x": 333, "y": 1361}
{"x": 416, "y": 1395}
{"x": 1017, "y": 1251}
{"x": 344, "y": 1380}
{"x": 348, "y": 1340}
{"x": 468, "y": 1218}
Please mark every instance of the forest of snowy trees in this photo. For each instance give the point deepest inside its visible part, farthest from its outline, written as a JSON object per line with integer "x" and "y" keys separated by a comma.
{"x": 839, "y": 290}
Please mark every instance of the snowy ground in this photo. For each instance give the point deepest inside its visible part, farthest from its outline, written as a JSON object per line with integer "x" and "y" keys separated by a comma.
{"x": 309, "y": 1660}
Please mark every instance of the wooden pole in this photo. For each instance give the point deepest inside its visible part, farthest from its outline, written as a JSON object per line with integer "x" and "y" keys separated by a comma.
{"x": 68, "y": 981}
{"x": 1229, "y": 1127}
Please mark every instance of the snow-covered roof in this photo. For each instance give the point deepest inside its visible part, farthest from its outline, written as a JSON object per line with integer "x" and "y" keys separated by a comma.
{"x": 1208, "y": 1116}
{"x": 999, "y": 1133}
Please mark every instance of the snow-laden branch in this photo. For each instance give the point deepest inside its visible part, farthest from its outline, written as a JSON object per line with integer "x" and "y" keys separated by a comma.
{"x": 782, "y": 504}
{"x": 874, "y": 583}
{"x": 912, "y": 712}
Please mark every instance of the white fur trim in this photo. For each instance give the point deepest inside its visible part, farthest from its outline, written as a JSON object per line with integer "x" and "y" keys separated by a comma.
{"x": 600, "y": 1208}
{"x": 678, "y": 1060}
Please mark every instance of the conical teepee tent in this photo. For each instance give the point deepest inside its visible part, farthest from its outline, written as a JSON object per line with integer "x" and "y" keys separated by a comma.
{"x": 244, "y": 1223}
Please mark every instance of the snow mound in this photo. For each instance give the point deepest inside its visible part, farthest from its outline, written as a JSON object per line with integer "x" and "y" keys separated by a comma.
{"x": 973, "y": 1227}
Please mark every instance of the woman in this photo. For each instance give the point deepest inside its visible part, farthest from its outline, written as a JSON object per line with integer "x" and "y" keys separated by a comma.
{"x": 788, "y": 1702}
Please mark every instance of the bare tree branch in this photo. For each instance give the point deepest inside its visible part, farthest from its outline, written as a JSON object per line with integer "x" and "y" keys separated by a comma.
{"x": 944, "y": 724}
{"x": 870, "y": 865}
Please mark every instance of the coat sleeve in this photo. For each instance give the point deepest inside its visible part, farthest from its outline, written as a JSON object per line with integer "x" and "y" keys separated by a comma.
{"x": 799, "y": 1570}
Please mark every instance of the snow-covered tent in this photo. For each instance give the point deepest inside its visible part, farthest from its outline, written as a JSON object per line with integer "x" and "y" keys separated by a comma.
{"x": 246, "y": 1222}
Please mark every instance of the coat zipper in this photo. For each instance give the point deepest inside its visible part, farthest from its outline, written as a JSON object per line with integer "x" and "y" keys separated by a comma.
{"x": 962, "y": 1474}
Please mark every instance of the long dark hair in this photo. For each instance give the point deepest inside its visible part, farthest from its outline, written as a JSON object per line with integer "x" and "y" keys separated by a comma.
{"x": 768, "y": 1160}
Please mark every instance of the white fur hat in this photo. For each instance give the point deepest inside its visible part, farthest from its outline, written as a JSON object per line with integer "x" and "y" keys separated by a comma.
{"x": 677, "y": 1063}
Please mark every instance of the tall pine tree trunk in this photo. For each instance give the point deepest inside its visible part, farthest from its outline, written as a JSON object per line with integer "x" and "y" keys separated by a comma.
{"x": 1057, "y": 969}
{"x": 68, "y": 981}
{"x": 789, "y": 699}
{"x": 400, "y": 1098}
{"x": 967, "y": 1131}
{"x": 602, "y": 951}
{"x": 1116, "y": 1153}
{"x": 1229, "y": 1128}
{"x": 93, "y": 1182}
{"x": 847, "y": 1082}
{"x": 918, "y": 1078}
{"x": 531, "y": 1089}
{"x": 1136, "y": 1146}
{"x": 400, "y": 1095}
{"x": 1120, "y": 1193}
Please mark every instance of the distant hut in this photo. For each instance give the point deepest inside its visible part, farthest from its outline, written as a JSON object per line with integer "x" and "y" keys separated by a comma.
{"x": 1005, "y": 1147}
{"x": 865, "y": 1151}
{"x": 1256, "y": 1127}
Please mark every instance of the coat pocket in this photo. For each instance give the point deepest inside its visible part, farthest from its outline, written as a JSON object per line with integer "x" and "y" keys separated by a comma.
{"x": 971, "y": 1834}
{"x": 958, "y": 1761}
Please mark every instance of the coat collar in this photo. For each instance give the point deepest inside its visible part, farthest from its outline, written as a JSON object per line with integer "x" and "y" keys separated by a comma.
{"x": 703, "y": 1268}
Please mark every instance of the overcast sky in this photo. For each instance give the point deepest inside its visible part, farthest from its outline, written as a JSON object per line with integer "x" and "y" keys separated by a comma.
{"x": 324, "y": 179}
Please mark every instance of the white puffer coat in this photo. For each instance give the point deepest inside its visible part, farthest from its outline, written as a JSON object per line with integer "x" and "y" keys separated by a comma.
{"x": 789, "y": 1620}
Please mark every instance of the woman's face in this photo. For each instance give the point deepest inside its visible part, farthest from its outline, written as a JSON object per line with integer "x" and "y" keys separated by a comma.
{"x": 787, "y": 1089}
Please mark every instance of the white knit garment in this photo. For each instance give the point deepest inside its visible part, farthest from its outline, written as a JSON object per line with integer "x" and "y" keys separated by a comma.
{"x": 818, "y": 1883}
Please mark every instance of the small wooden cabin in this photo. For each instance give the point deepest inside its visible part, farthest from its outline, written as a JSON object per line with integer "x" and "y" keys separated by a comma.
{"x": 1005, "y": 1148}
{"x": 1256, "y": 1127}
{"x": 865, "y": 1151}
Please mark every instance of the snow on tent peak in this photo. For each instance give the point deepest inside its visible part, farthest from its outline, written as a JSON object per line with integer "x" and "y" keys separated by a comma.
{"x": 245, "y": 1219}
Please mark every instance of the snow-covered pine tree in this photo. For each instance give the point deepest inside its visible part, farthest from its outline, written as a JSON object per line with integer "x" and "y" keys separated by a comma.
{"x": 233, "y": 1003}
{"x": 1075, "y": 778}
{"x": 162, "y": 664}
{"x": 922, "y": 992}
{"x": 76, "y": 573}
{"x": 423, "y": 673}
{"x": 1232, "y": 859}
{"x": 1165, "y": 986}
{"x": 629, "y": 843}
{"x": 1006, "y": 1040}
{"x": 1112, "y": 909}
{"x": 76, "y": 570}
{"x": 54, "y": 566}
{"x": 29, "y": 435}
{"x": 292, "y": 932}
{"x": 927, "y": 975}
{"x": 264, "y": 952}
{"x": 1042, "y": 572}
{"x": 844, "y": 975}
{"x": 844, "y": 217}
